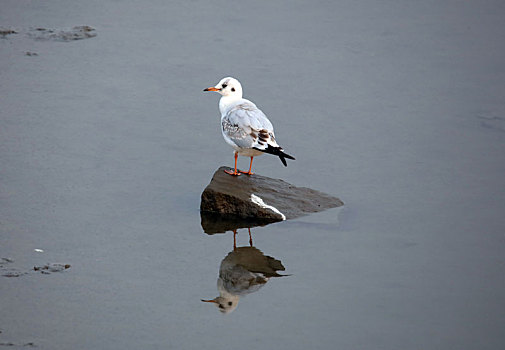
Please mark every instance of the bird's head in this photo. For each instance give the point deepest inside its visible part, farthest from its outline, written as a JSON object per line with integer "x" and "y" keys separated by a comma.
{"x": 226, "y": 304}
{"x": 227, "y": 87}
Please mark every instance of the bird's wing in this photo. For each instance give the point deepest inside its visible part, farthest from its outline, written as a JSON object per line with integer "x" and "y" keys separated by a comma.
{"x": 248, "y": 127}
{"x": 253, "y": 259}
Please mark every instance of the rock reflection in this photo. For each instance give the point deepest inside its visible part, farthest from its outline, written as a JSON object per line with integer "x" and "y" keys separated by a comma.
{"x": 219, "y": 223}
{"x": 243, "y": 271}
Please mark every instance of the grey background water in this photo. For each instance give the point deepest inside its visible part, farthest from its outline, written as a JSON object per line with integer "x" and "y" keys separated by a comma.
{"x": 396, "y": 107}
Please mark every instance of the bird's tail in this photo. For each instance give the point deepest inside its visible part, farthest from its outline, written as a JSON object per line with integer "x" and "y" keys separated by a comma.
{"x": 279, "y": 152}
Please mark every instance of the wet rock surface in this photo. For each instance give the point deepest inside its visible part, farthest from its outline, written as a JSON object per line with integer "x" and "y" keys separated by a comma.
{"x": 244, "y": 201}
{"x": 220, "y": 223}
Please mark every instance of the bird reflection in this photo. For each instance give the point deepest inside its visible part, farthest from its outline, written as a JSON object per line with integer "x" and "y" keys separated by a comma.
{"x": 243, "y": 271}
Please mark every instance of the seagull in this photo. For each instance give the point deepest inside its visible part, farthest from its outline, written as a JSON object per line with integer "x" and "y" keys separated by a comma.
{"x": 244, "y": 126}
{"x": 243, "y": 271}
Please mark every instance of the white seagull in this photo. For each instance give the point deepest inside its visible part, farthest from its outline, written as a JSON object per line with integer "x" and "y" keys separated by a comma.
{"x": 244, "y": 126}
{"x": 243, "y": 271}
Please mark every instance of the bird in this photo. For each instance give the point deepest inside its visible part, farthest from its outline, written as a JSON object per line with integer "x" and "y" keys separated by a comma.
{"x": 243, "y": 271}
{"x": 244, "y": 126}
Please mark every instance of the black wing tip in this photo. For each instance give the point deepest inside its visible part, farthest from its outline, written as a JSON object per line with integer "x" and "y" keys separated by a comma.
{"x": 277, "y": 151}
{"x": 283, "y": 157}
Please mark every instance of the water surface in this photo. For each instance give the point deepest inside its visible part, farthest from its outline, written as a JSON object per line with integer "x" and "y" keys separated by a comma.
{"x": 107, "y": 143}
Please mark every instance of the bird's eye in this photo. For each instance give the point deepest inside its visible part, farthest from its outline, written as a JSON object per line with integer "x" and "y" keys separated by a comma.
{"x": 232, "y": 89}
{"x": 224, "y": 86}
{"x": 230, "y": 303}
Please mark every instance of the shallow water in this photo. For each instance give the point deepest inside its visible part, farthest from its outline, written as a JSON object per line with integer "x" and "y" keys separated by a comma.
{"x": 107, "y": 143}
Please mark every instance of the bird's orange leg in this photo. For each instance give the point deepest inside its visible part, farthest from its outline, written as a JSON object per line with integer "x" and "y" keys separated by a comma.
{"x": 235, "y": 173}
{"x": 250, "y": 168}
{"x": 250, "y": 237}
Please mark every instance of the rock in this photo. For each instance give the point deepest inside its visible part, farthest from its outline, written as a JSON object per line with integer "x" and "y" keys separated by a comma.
{"x": 230, "y": 202}
{"x": 220, "y": 223}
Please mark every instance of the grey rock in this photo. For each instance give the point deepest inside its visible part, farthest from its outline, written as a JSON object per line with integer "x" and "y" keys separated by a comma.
{"x": 227, "y": 202}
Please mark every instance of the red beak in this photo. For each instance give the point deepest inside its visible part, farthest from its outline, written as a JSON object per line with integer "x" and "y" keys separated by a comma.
{"x": 211, "y": 89}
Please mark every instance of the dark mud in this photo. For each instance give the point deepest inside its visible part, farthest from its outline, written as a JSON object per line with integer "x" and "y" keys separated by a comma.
{"x": 9, "y": 270}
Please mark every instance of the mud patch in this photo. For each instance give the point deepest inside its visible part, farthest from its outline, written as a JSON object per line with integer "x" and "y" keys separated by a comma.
{"x": 8, "y": 270}
{"x": 27, "y": 345}
{"x": 48, "y": 268}
{"x": 75, "y": 33}
{"x": 6, "y": 31}
{"x": 492, "y": 122}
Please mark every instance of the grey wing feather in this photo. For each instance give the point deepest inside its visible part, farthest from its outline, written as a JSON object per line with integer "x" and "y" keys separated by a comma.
{"x": 247, "y": 126}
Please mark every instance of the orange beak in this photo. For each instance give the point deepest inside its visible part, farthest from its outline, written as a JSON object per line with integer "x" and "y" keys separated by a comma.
{"x": 211, "y": 89}
{"x": 210, "y": 301}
